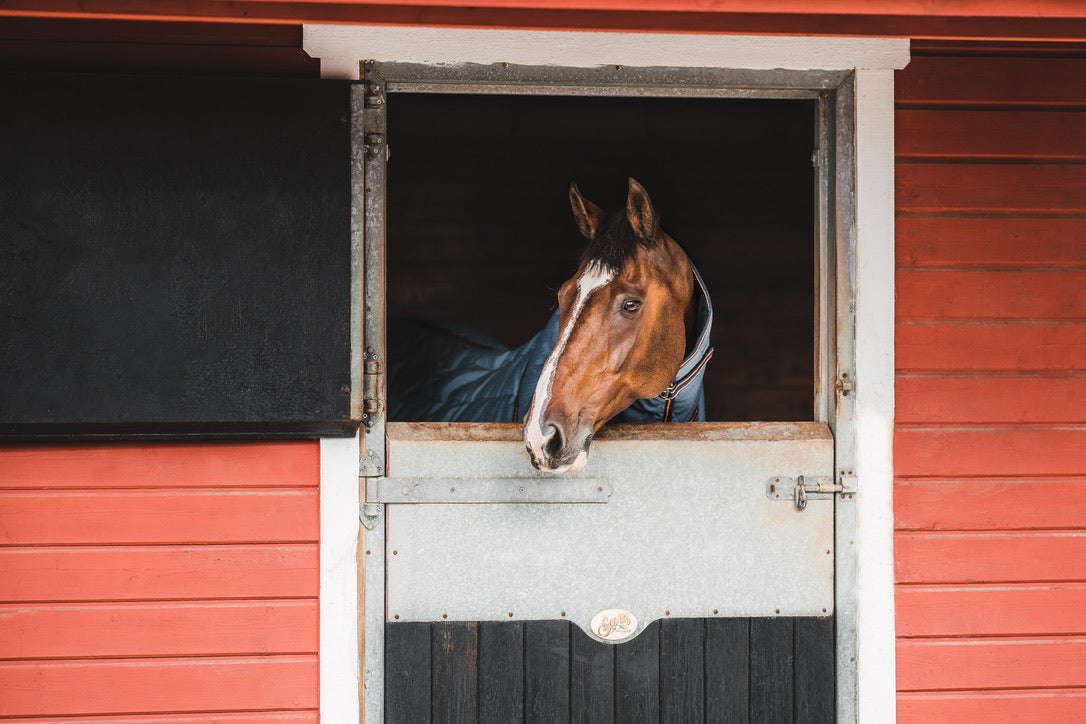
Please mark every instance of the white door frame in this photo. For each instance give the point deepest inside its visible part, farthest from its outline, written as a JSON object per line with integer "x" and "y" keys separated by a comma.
{"x": 871, "y": 697}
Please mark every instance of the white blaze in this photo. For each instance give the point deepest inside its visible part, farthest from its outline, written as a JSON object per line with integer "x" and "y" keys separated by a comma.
{"x": 594, "y": 276}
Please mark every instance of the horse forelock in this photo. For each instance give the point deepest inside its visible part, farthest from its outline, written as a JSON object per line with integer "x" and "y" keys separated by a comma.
{"x": 615, "y": 244}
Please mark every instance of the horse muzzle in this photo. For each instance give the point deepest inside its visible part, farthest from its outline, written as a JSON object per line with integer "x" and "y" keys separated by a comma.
{"x": 553, "y": 450}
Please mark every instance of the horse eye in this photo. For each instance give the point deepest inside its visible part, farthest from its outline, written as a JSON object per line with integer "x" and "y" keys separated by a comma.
{"x": 631, "y": 305}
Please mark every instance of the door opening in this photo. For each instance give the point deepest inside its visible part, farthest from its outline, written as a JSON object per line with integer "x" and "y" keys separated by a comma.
{"x": 480, "y": 230}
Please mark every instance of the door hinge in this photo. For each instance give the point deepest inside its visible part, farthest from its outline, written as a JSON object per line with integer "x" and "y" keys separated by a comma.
{"x": 370, "y": 472}
{"x": 801, "y": 488}
{"x": 371, "y": 388}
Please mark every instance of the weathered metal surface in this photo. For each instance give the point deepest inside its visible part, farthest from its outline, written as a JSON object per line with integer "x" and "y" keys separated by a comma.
{"x": 368, "y": 116}
{"x": 684, "y": 533}
{"x": 840, "y": 106}
{"x": 607, "y": 80}
{"x": 535, "y": 489}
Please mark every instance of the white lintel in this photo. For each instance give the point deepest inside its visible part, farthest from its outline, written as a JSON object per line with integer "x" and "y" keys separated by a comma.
{"x": 341, "y": 47}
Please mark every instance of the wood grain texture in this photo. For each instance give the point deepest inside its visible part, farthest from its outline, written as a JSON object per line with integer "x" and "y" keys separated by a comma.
{"x": 96, "y": 630}
{"x": 1015, "y": 400}
{"x": 964, "y": 451}
{"x": 59, "y": 56}
{"x": 947, "y": 296}
{"x": 815, "y": 666}
{"x": 727, "y": 671}
{"x": 501, "y": 671}
{"x": 92, "y": 624}
{"x": 989, "y": 500}
{"x": 971, "y": 243}
{"x": 89, "y": 517}
{"x": 158, "y": 572}
{"x": 129, "y": 31}
{"x": 1029, "y": 706}
{"x": 311, "y": 716}
{"x": 407, "y": 673}
{"x": 992, "y": 135}
{"x": 546, "y": 672}
{"x": 772, "y": 662}
{"x": 990, "y": 610}
{"x": 678, "y": 670}
{"x": 990, "y": 504}
{"x": 992, "y": 82}
{"x": 454, "y": 668}
{"x": 993, "y": 347}
{"x": 142, "y": 465}
{"x": 102, "y": 686}
{"x": 946, "y": 664}
{"x": 990, "y": 189}
{"x": 682, "y": 670}
{"x": 989, "y": 557}
{"x": 591, "y": 680}
{"x": 637, "y": 677}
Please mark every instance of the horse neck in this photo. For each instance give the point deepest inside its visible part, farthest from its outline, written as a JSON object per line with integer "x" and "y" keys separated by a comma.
{"x": 690, "y": 312}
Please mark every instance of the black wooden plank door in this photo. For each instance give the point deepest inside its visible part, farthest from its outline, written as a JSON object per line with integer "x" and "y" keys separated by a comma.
{"x": 677, "y": 670}
{"x": 176, "y": 256}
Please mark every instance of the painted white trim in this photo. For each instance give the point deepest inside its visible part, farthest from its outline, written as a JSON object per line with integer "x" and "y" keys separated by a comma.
{"x": 875, "y": 645}
{"x": 339, "y": 661}
{"x": 340, "y": 47}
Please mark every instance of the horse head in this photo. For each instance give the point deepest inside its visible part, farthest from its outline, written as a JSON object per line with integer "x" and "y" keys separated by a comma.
{"x": 623, "y": 321}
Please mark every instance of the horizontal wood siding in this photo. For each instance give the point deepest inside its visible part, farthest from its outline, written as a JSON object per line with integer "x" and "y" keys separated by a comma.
{"x": 143, "y": 580}
{"x": 990, "y": 443}
{"x": 142, "y": 47}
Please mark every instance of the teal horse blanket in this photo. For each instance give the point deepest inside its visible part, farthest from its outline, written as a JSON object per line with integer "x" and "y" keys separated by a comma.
{"x": 441, "y": 372}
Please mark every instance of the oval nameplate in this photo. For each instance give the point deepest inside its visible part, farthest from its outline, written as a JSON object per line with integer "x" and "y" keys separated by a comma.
{"x": 614, "y": 624}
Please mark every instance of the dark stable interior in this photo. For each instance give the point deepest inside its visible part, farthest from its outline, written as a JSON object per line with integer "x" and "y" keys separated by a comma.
{"x": 480, "y": 229}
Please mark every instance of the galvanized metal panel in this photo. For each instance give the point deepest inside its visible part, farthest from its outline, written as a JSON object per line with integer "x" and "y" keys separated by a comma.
{"x": 687, "y": 532}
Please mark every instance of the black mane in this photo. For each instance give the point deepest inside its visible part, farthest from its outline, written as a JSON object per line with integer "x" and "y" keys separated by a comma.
{"x": 616, "y": 243}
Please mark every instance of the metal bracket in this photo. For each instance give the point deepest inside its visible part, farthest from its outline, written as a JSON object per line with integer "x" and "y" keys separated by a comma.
{"x": 800, "y": 489}
{"x": 371, "y": 388}
{"x": 369, "y": 473}
{"x": 843, "y": 384}
{"x": 375, "y": 143}
{"x": 492, "y": 490}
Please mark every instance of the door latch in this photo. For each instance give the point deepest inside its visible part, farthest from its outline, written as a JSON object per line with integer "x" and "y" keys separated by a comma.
{"x": 800, "y": 489}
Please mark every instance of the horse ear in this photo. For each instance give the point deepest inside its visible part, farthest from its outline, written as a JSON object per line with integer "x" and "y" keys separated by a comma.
{"x": 589, "y": 216}
{"x": 640, "y": 212}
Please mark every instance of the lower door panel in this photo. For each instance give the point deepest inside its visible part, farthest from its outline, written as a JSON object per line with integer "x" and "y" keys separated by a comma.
{"x": 677, "y": 670}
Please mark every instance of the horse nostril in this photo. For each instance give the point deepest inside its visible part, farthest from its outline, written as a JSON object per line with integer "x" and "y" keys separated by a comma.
{"x": 553, "y": 441}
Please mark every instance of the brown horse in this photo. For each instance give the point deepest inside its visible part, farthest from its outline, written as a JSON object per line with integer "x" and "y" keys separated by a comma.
{"x": 626, "y": 318}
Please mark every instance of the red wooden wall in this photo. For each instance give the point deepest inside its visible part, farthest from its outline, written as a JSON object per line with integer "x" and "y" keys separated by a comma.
{"x": 142, "y": 581}
{"x": 990, "y": 450}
